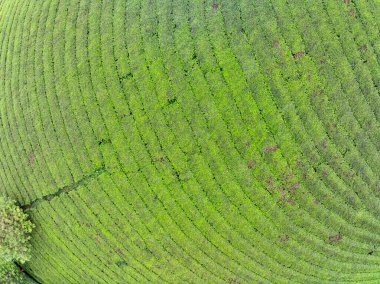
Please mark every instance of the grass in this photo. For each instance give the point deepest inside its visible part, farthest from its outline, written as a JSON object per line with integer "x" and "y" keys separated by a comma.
{"x": 194, "y": 141}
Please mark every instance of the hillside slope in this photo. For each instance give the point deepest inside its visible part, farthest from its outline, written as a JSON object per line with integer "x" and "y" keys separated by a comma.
{"x": 194, "y": 141}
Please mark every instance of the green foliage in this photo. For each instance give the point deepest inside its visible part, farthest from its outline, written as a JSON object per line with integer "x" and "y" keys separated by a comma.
{"x": 191, "y": 141}
{"x": 10, "y": 273}
{"x": 15, "y": 229}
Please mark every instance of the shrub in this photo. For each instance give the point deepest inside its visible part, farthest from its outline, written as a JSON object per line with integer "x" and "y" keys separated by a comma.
{"x": 15, "y": 229}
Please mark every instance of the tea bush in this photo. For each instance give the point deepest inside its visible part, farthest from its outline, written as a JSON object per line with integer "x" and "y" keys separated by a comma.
{"x": 208, "y": 141}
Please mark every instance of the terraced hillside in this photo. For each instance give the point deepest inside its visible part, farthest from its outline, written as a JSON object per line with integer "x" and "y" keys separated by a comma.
{"x": 194, "y": 141}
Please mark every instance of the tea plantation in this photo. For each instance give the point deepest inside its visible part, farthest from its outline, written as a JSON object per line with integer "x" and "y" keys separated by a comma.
{"x": 194, "y": 141}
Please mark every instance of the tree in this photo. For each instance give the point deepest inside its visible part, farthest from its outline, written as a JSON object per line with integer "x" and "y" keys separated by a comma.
{"x": 15, "y": 229}
{"x": 10, "y": 273}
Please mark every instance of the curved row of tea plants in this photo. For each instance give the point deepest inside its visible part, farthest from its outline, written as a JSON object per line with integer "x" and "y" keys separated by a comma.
{"x": 193, "y": 141}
